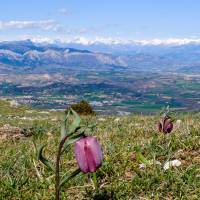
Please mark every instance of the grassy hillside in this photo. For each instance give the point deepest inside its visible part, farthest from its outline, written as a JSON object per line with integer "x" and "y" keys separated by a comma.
{"x": 121, "y": 175}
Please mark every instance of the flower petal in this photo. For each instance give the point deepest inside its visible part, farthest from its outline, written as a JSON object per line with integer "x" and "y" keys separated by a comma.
{"x": 94, "y": 153}
{"x": 168, "y": 126}
{"x": 80, "y": 155}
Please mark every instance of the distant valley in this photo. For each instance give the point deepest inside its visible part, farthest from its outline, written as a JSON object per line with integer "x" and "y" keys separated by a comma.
{"x": 142, "y": 80}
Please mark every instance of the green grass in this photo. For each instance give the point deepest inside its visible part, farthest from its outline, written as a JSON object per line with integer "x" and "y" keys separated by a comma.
{"x": 23, "y": 177}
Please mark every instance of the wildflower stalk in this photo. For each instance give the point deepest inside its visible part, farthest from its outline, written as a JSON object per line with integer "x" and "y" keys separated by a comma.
{"x": 85, "y": 147}
{"x": 57, "y": 173}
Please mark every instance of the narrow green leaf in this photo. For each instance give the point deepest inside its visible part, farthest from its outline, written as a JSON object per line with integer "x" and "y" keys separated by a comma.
{"x": 72, "y": 140}
{"x": 63, "y": 130}
{"x": 43, "y": 159}
{"x": 142, "y": 159}
{"x": 75, "y": 124}
{"x": 67, "y": 177}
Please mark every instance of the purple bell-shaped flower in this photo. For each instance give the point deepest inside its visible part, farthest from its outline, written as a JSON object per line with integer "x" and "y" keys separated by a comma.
{"x": 165, "y": 125}
{"x": 88, "y": 154}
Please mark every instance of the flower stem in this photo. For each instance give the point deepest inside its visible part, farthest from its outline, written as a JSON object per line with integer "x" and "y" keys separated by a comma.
{"x": 57, "y": 175}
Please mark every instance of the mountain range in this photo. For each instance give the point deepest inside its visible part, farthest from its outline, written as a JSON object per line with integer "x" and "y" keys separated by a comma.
{"x": 27, "y": 56}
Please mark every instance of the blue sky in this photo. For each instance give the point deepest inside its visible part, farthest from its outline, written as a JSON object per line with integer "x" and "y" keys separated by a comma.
{"x": 125, "y": 19}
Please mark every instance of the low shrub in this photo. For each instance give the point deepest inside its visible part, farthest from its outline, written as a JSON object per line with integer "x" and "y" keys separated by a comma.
{"x": 83, "y": 108}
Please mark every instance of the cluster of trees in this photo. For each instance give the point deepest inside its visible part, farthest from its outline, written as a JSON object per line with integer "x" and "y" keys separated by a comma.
{"x": 83, "y": 108}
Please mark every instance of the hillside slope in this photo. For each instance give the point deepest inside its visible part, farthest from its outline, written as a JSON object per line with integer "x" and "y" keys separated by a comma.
{"x": 121, "y": 175}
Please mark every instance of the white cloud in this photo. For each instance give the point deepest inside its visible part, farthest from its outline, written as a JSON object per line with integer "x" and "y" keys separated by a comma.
{"x": 116, "y": 41}
{"x": 52, "y": 26}
{"x": 170, "y": 41}
{"x": 49, "y": 25}
{"x": 43, "y": 25}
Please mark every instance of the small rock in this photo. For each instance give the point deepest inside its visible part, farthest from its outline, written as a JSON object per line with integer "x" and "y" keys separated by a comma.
{"x": 101, "y": 119}
{"x": 49, "y": 134}
{"x": 6, "y": 126}
{"x": 158, "y": 163}
{"x": 29, "y": 111}
{"x": 117, "y": 119}
{"x": 178, "y": 123}
{"x": 172, "y": 163}
{"x": 142, "y": 166}
{"x": 137, "y": 124}
{"x": 55, "y": 119}
{"x": 44, "y": 112}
